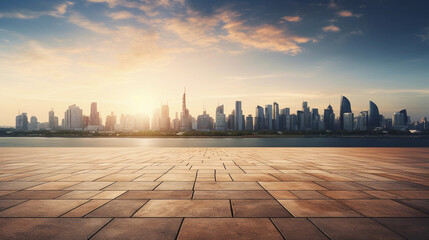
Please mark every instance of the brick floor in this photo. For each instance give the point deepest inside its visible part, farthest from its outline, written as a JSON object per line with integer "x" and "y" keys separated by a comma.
{"x": 214, "y": 193}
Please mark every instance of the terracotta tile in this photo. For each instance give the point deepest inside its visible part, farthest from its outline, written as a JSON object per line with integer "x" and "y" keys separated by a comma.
{"x": 131, "y": 186}
{"x": 89, "y": 186}
{"x": 318, "y": 208}
{"x": 117, "y": 208}
{"x": 85, "y": 208}
{"x": 34, "y": 194}
{"x": 17, "y": 185}
{"x": 382, "y": 208}
{"x": 156, "y": 195}
{"x": 2, "y": 193}
{"x": 53, "y": 186}
{"x": 395, "y": 186}
{"x": 410, "y": 228}
{"x": 178, "y": 177}
{"x": 309, "y": 195}
{"x": 4, "y": 204}
{"x": 291, "y": 186}
{"x": 343, "y": 186}
{"x": 412, "y": 194}
{"x": 383, "y": 195}
{"x": 283, "y": 195}
{"x": 41, "y": 208}
{"x": 227, "y": 186}
{"x": 298, "y": 229}
{"x": 418, "y": 204}
{"x": 79, "y": 195}
{"x": 354, "y": 228}
{"x": 253, "y": 177}
{"x": 235, "y": 194}
{"x": 228, "y": 228}
{"x": 258, "y": 208}
{"x": 141, "y": 228}
{"x": 175, "y": 186}
{"x": 347, "y": 195}
{"x": 118, "y": 177}
{"x": 185, "y": 208}
{"x": 49, "y": 228}
{"x": 107, "y": 195}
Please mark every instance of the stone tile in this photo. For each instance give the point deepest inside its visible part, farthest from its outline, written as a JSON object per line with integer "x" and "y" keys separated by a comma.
{"x": 185, "y": 208}
{"x": 2, "y": 193}
{"x": 131, "y": 186}
{"x": 258, "y": 208}
{"x": 108, "y": 195}
{"x": 383, "y": 195}
{"x": 89, "y": 186}
{"x": 79, "y": 195}
{"x": 347, "y": 195}
{"x": 4, "y": 204}
{"x": 253, "y": 177}
{"x": 283, "y": 195}
{"x": 85, "y": 208}
{"x": 117, "y": 208}
{"x": 118, "y": 177}
{"x": 156, "y": 195}
{"x": 228, "y": 228}
{"x": 53, "y": 186}
{"x": 410, "y": 228}
{"x": 291, "y": 186}
{"x": 309, "y": 195}
{"x": 41, "y": 194}
{"x": 418, "y": 204}
{"x": 49, "y": 228}
{"x": 227, "y": 186}
{"x": 354, "y": 228}
{"x": 141, "y": 228}
{"x": 412, "y": 194}
{"x": 178, "y": 177}
{"x": 318, "y": 208}
{"x": 235, "y": 194}
{"x": 175, "y": 186}
{"x": 382, "y": 208}
{"x": 343, "y": 186}
{"x": 395, "y": 186}
{"x": 298, "y": 229}
{"x": 41, "y": 208}
{"x": 6, "y": 186}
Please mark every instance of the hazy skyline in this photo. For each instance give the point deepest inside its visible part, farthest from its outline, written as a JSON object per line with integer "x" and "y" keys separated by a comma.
{"x": 129, "y": 56}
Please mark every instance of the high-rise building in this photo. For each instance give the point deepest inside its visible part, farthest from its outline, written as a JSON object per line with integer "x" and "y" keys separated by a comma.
{"x": 204, "y": 122}
{"x": 293, "y": 122}
{"x": 94, "y": 116}
{"x": 249, "y": 123}
{"x": 239, "y": 125}
{"x": 269, "y": 117}
{"x": 186, "y": 119}
{"x": 73, "y": 118}
{"x": 345, "y": 107}
{"x": 315, "y": 119}
{"x": 51, "y": 120}
{"x": 164, "y": 121}
{"x": 362, "y": 121}
{"x": 34, "y": 125}
{"x": 329, "y": 118}
{"x": 400, "y": 119}
{"x": 220, "y": 119}
{"x": 307, "y": 116}
{"x": 231, "y": 121}
{"x": 284, "y": 119}
{"x": 176, "y": 122}
{"x": 374, "y": 119}
{"x": 276, "y": 117}
{"x": 155, "y": 120}
{"x": 348, "y": 121}
{"x": 300, "y": 120}
{"x": 110, "y": 122}
{"x": 259, "y": 118}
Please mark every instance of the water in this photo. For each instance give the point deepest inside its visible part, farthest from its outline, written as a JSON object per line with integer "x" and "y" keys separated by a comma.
{"x": 215, "y": 142}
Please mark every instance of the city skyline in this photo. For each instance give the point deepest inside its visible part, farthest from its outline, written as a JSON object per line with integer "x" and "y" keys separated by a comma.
{"x": 130, "y": 56}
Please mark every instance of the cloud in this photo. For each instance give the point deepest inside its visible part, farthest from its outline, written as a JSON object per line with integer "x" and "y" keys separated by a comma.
{"x": 121, "y": 15}
{"x": 396, "y": 91}
{"x": 346, "y": 13}
{"x": 292, "y": 18}
{"x": 331, "y": 28}
{"x": 81, "y": 21}
{"x": 58, "y": 11}
{"x": 425, "y": 35}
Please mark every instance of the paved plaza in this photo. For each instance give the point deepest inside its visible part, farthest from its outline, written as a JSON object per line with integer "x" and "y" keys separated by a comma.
{"x": 214, "y": 193}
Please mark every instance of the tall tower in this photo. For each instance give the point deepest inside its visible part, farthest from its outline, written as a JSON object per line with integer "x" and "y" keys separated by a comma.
{"x": 239, "y": 126}
{"x": 186, "y": 123}
{"x": 94, "y": 115}
{"x": 345, "y": 107}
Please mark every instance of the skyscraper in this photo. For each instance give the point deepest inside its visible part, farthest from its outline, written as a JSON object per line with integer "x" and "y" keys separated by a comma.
{"x": 239, "y": 125}
{"x": 186, "y": 121}
{"x": 164, "y": 121}
{"x": 249, "y": 123}
{"x": 269, "y": 117}
{"x": 259, "y": 118}
{"x": 400, "y": 119}
{"x": 276, "y": 117}
{"x": 231, "y": 121}
{"x": 345, "y": 107}
{"x": 374, "y": 119}
{"x": 284, "y": 119}
{"x": 34, "y": 125}
{"x": 73, "y": 118}
{"x": 307, "y": 116}
{"x": 21, "y": 122}
{"x": 110, "y": 122}
{"x": 220, "y": 119}
{"x": 329, "y": 118}
{"x": 315, "y": 119}
{"x": 204, "y": 122}
{"x": 94, "y": 116}
{"x": 348, "y": 121}
{"x": 51, "y": 120}
{"x": 176, "y": 122}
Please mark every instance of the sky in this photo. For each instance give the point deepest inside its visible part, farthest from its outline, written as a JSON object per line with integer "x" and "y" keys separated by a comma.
{"x": 132, "y": 56}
